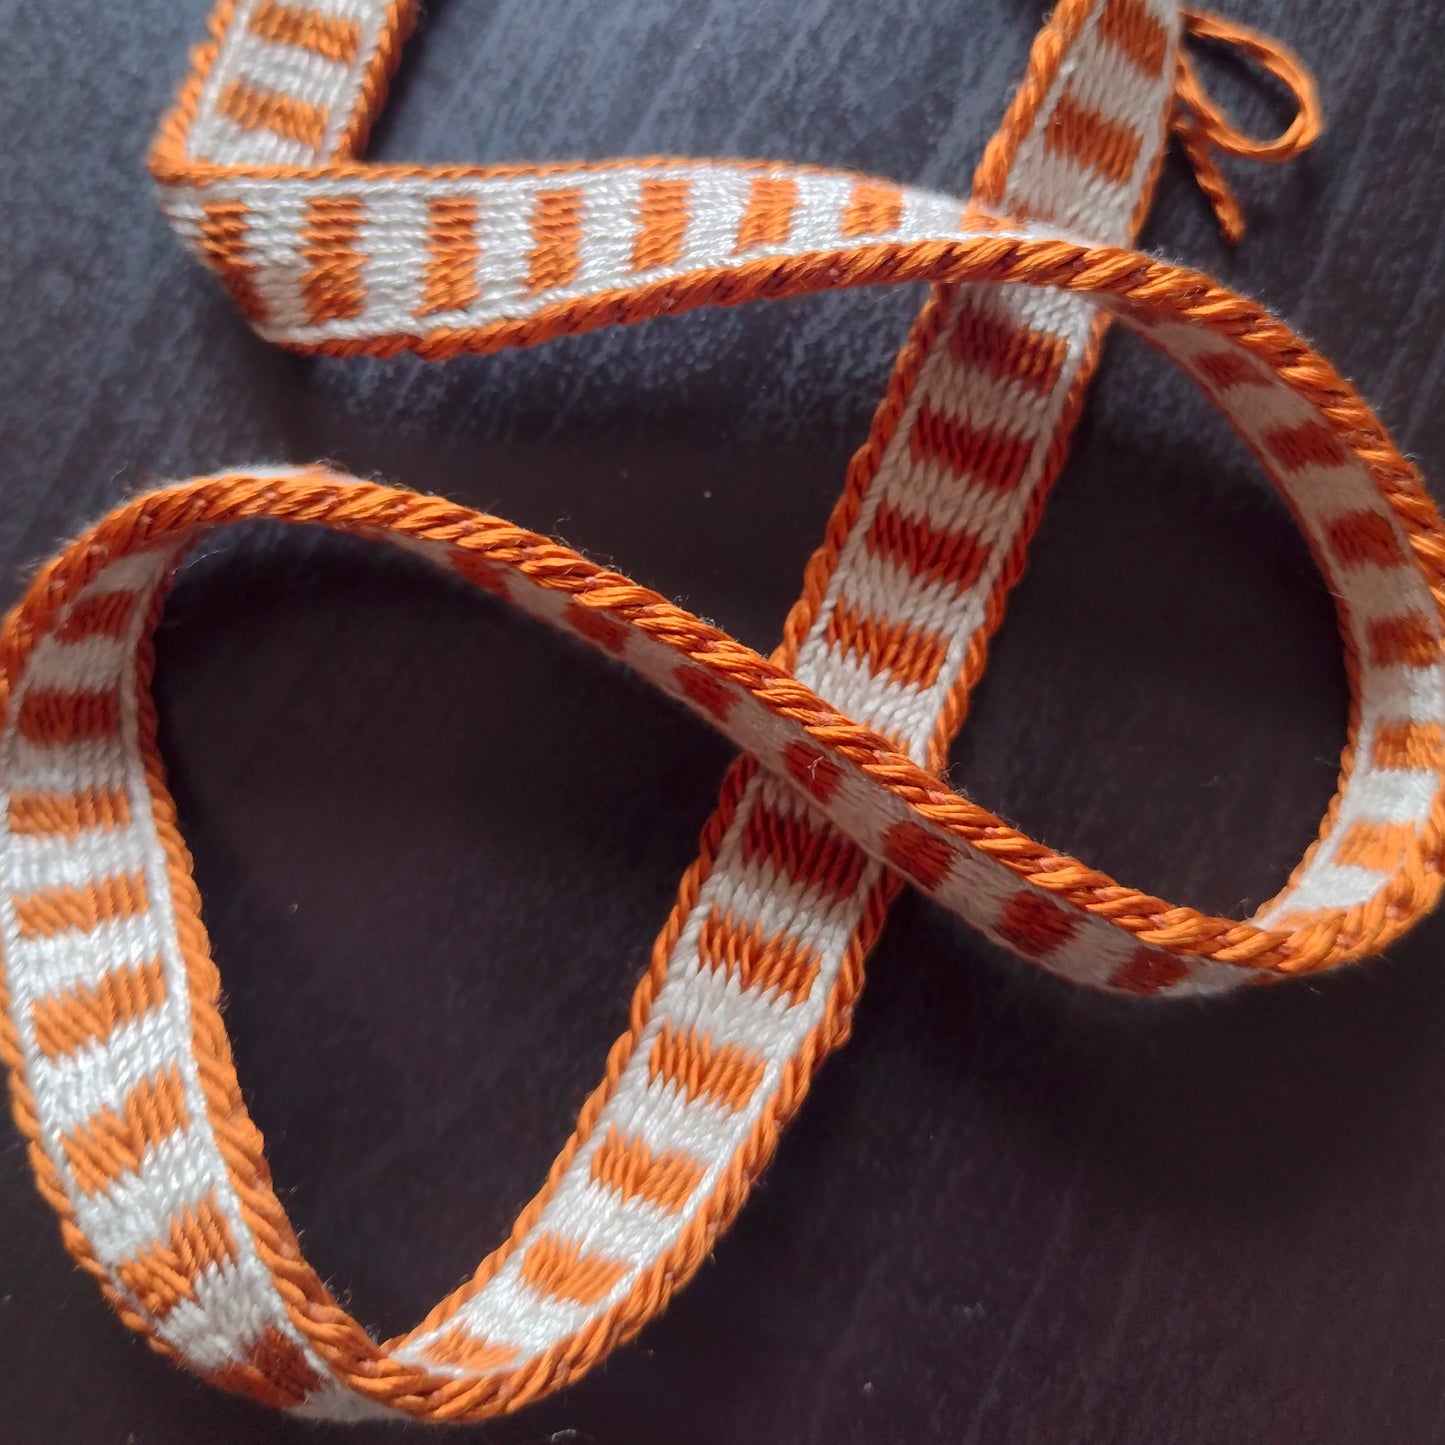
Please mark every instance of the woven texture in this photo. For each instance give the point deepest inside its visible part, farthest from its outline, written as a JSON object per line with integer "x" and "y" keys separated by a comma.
{"x": 120, "y": 1068}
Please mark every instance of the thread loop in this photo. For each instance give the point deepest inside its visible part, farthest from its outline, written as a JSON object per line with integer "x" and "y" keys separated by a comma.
{"x": 1203, "y": 128}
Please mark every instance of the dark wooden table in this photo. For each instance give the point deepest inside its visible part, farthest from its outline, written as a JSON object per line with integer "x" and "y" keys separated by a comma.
{"x": 435, "y": 842}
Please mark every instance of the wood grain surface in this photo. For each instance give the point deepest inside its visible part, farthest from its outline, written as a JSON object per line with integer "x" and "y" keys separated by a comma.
{"x": 435, "y": 841}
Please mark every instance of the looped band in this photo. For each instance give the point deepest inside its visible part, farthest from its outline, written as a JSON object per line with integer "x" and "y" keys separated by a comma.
{"x": 121, "y": 1071}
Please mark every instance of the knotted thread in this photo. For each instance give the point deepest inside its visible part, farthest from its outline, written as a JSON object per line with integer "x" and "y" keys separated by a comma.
{"x": 121, "y": 1074}
{"x": 1203, "y": 128}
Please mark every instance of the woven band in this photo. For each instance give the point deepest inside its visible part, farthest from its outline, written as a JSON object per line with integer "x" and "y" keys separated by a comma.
{"x": 120, "y": 1068}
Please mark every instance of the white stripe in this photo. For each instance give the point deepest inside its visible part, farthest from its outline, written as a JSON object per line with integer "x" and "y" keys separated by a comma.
{"x": 289, "y": 70}
{"x": 62, "y": 767}
{"x": 73, "y": 1088}
{"x": 39, "y": 966}
{"x": 1380, "y": 795}
{"x": 93, "y": 664}
{"x": 394, "y": 240}
{"x": 1374, "y": 594}
{"x": 1404, "y": 694}
{"x": 138, "y": 1208}
{"x": 712, "y": 1002}
{"x": 234, "y": 1306}
{"x": 602, "y": 1222}
{"x": 39, "y": 860}
{"x": 1325, "y": 885}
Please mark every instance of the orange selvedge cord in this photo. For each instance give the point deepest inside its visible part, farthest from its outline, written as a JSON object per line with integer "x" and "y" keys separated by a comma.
{"x": 121, "y": 1071}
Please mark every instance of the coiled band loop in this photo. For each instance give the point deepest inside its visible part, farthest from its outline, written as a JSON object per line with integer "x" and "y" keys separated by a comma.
{"x": 121, "y": 1071}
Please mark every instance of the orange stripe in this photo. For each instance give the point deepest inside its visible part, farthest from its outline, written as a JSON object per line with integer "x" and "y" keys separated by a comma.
{"x": 662, "y": 224}
{"x": 330, "y": 239}
{"x": 992, "y": 457}
{"x": 110, "y": 1145}
{"x": 976, "y": 220}
{"x": 1107, "y": 147}
{"x": 49, "y": 716}
{"x": 768, "y": 220}
{"x": 690, "y": 1061}
{"x": 68, "y": 1021}
{"x": 480, "y": 573}
{"x": 1380, "y": 846}
{"x": 706, "y": 689}
{"x": 873, "y": 209}
{"x": 283, "y": 115}
{"x": 560, "y": 1269}
{"x": 1035, "y": 925}
{"x": 1360, "y": 537}
{"x": 451, "y": 273}
{"x": 630, "y": 1168}
{"x": 274, "y": 1372}
{"x": 1228, "y": 368}
{"x": 331, "y": 36}
{"x": 459, "y": 1347}
{"x": 104, "y": 614}
{"x": 64, "y": 815}
{"x": 758, "y": 960}
{"x": 818, "y": 857}
{"x": 1408, "y": 745}
{"x": 597, "y": 626}
{"x": 913, "y": 655}
{"x": 163, "y": 1275}
{"x": 50, "y": 911}
{"x": 1129, "y": 27}
{"x": 225, "y": 229}
{"x": 913, "y": 850}
{"x": 1407, "y": 641}
{"x": 953, "y": 558}
{"x": 1147, "y": 970}
{"x": 1310, "y": 444}
{"x": 998, "y": 347}
{"x": 556, "y": 240}
{"x": 812, "y": 770}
